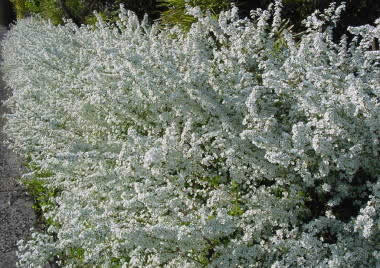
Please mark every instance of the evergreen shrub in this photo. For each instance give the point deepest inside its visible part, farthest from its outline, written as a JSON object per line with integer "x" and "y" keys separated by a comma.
{"x": 175, "y": 11}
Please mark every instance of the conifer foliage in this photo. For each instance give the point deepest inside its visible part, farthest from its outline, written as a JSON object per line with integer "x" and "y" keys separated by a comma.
{"x": 216, "y": 147}
{"x": 175, "y": 12}
{"x": 81, "y": 11}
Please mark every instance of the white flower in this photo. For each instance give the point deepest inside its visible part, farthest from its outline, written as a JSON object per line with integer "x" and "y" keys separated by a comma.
{"x": 164, "y": 148}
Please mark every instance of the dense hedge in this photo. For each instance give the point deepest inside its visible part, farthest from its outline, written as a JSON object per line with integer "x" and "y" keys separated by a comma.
{"x": 231, "y": 145}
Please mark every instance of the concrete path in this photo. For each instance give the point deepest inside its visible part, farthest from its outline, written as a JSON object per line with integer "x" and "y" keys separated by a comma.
{"x": 16, "y": 213}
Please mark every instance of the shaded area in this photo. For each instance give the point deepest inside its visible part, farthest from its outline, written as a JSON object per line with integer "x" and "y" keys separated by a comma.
{"x": 7, "y": 14}
{"x": 357, "y": 12}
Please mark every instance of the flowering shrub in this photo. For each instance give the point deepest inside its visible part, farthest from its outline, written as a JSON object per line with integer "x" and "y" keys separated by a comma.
{"x": 227, "y": 146}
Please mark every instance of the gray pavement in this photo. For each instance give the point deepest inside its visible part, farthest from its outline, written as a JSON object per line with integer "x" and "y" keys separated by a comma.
{"x": 16, "y": 213}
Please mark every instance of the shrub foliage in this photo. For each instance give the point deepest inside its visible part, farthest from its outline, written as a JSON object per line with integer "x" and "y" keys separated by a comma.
{"x": 81, "y": 11}
{"x": 219, "y": 147}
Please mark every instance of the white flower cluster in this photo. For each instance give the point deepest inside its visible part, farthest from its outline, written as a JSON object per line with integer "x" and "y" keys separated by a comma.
{"x": 220, "y": 147}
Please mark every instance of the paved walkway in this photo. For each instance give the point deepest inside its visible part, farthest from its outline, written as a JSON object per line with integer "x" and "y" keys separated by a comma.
{"x": 16, "y": 213}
